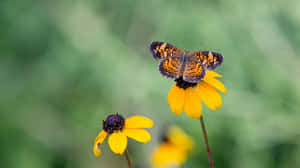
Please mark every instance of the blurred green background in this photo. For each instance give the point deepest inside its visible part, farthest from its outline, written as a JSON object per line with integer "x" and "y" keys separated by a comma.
{"x": 65, "y": 65}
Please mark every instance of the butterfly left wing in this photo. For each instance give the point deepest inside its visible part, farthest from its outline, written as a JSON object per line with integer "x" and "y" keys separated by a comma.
{"x": 161, "y": 50}
{"x": 194, "y": 71}
{"x": 170, "y": 67}
{"x": 211, "y": 60}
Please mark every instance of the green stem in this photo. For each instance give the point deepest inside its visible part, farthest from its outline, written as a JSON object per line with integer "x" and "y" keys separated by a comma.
{"x": 128, "y": 159}
{"x": 211, "y": 165}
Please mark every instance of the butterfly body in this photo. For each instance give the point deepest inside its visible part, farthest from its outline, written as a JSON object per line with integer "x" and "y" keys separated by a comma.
{"x": 184, "y": 62}
{"x": 178, "y": 64}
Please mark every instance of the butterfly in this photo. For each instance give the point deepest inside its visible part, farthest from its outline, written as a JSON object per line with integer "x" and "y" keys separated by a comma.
{"x": 175, "y": 63}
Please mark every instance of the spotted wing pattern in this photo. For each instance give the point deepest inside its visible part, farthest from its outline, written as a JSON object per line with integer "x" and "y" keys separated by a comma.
{"x": 211, "y": 60}
{"x": 194, "y": 71}
{"x": 170, "y": 67}
{"x": 161, "y": 50}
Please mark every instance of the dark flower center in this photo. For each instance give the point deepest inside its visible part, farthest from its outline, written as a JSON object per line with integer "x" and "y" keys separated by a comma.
{"x": 113, "y": 123}
{"x": 183, "y": 84}
{"x": 164, "y": 135}
{"x": 164, "y": 138}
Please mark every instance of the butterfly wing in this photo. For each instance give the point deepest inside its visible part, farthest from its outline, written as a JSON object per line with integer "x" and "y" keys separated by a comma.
{"x": 194, "y": 71}
{"x": 170, "y": 67}
{"x": 211, "y": 60}
{"x": 161, "y": 50}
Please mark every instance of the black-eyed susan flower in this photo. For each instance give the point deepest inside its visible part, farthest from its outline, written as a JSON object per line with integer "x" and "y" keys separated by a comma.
{"x": 173, "y": 150}
{"x": 187, "y": 96}
{"x": 118, "y": 129}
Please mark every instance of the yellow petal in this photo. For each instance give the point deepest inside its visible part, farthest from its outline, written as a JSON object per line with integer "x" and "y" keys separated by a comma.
{"x": 209, "y": 95}
{"x": 138, "y": 134}
{"x": 210, "y": 79}
{"x": 176, "y": 99}
{"x": 178, "y": 137}
{"x": 212, "y": 74}
{"x": 96, "y": 149}
{"x": 138, "y": 122}
{"x": 101, "y": 136}
{"x": 98, "y": 141}
{"x": 117, "y": 142}
{"x": 192, "y": 105}
{"x": 216, "y": 84}
{"x": 167, "y": 154}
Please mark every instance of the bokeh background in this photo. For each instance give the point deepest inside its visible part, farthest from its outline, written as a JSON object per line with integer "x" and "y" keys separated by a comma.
{"x": 65, "y": 65}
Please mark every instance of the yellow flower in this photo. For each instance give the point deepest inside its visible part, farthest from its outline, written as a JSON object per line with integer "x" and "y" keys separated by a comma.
{"x": 183, "y": 95}
{"x": 119, "y": 129}
{"x": 174, "y": 149}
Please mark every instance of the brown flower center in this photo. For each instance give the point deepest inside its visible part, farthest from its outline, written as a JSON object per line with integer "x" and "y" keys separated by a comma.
{"x": 113, "y": 123}
{"x": 183, "y": 84}
{"x": 164, "y": 135}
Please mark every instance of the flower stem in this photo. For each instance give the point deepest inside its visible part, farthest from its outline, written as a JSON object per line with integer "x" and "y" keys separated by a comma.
{"x": 128, "y": 159}
{"x": 211, "y": 165}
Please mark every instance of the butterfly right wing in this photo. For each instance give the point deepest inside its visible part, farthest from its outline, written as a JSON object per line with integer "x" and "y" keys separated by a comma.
{"x": 161, "y": 50}
{"x": 194, "y": 71}
{"x": 170, "y": 67}
{"x": 211, "y": 60}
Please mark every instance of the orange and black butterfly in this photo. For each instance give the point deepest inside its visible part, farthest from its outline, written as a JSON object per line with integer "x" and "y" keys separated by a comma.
{"x": 190, "y": 66}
